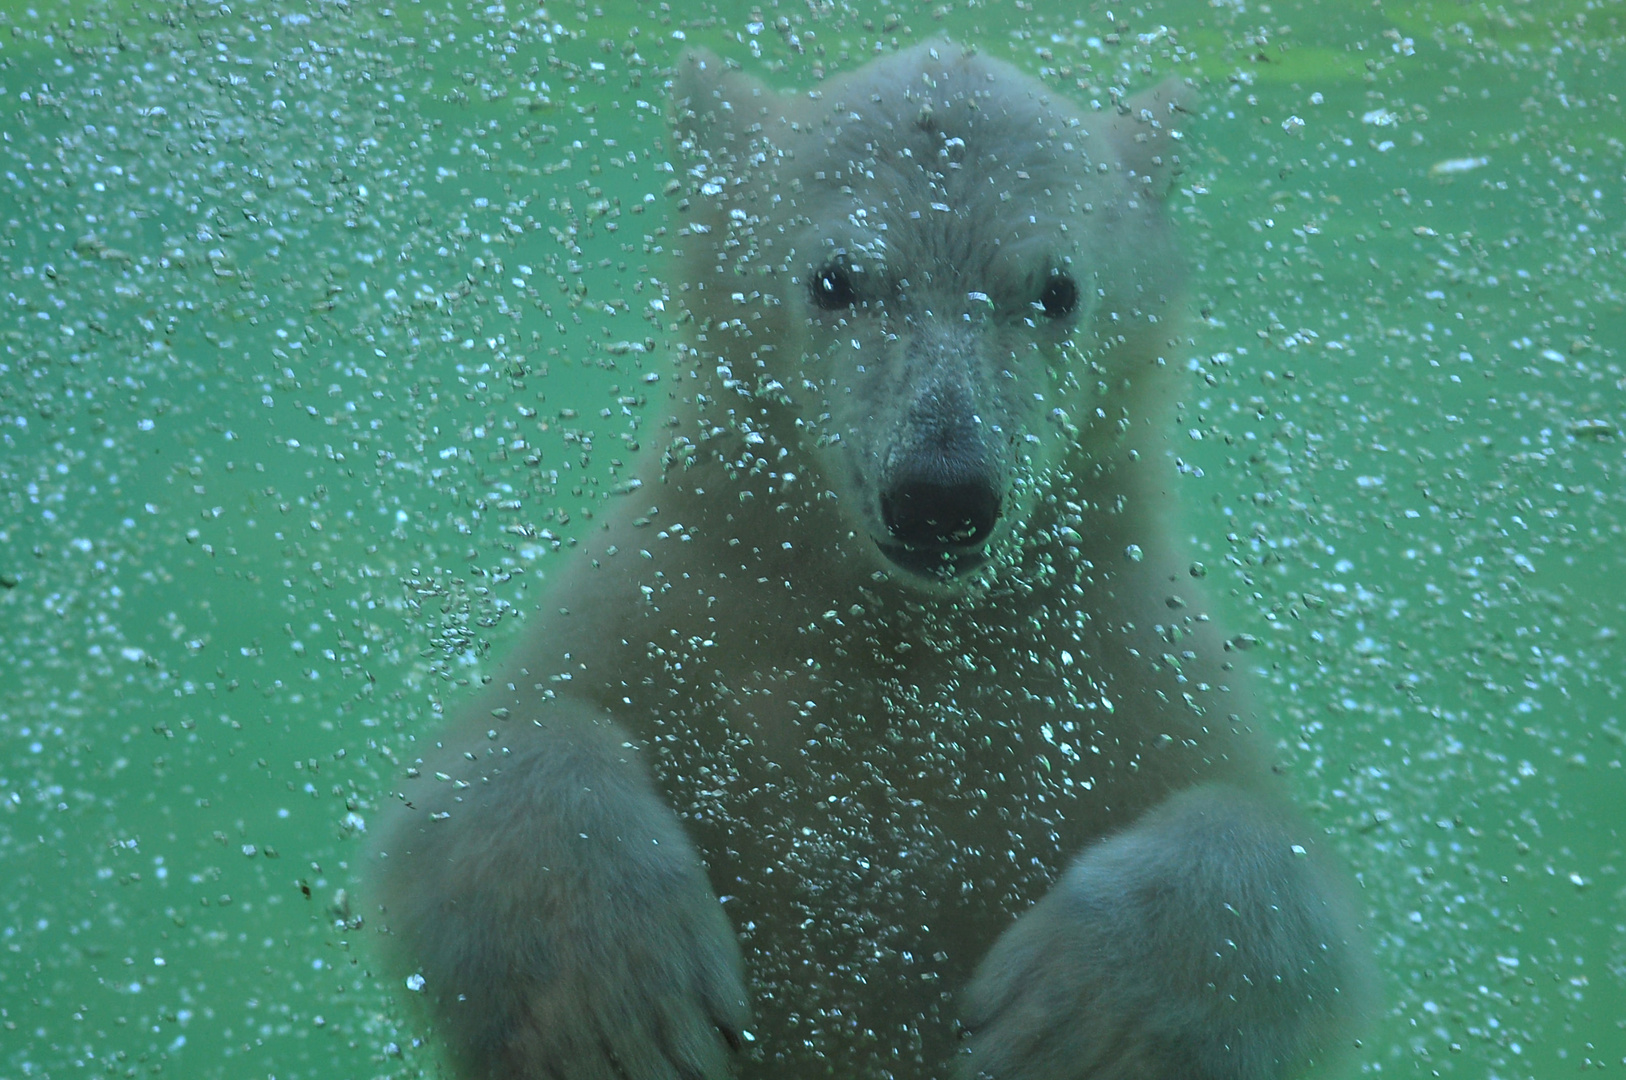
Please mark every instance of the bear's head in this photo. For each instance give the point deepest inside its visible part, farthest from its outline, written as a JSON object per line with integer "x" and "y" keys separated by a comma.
{"x": 943, "y": 271}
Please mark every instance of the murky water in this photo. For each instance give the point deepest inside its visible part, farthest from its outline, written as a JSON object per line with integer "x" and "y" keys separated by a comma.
{"x": 326, "y": 335}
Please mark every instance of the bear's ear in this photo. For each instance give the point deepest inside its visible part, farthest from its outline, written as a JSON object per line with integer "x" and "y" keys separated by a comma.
{"x": 717, "y": 109}
{"x": 1146, "y": 133}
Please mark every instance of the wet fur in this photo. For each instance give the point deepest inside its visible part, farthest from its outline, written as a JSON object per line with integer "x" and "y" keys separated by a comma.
{"x": 1010, "y": 823}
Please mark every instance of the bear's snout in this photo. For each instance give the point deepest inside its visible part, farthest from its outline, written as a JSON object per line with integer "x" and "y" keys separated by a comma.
{"x": 939, "y": 521}
{"x": 926, "y": 513}
{"x": 943, "y": 491}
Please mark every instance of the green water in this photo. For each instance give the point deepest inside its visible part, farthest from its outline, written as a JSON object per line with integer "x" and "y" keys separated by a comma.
{"x": 322, "y": 337}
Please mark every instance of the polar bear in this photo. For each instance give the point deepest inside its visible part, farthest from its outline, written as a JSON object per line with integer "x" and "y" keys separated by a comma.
{"x": 882, "y": 733}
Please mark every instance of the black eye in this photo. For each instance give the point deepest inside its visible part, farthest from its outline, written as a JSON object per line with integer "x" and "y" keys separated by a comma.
{"x": 1060, "y": 296}
{"x": 833, "y": 289}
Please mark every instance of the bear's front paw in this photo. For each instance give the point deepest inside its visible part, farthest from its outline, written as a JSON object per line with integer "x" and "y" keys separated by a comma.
{"x": 625, "y": 994}
{"x": 563, "y": 925}
{"x": 1202, "y": 944}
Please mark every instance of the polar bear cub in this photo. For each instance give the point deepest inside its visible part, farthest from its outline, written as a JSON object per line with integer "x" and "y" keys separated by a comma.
{"x": 882, "y": 733}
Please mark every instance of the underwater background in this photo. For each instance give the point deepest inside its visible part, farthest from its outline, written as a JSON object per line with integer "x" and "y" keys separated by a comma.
{"x": 325, "y": 332}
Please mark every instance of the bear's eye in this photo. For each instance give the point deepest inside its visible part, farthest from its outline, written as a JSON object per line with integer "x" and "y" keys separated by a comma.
{"x": 833, "y": 289}
{"x": 1060, "y": 296}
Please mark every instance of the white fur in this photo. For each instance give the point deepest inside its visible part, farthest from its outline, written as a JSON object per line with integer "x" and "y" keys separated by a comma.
{"x": 1016, "y": 789}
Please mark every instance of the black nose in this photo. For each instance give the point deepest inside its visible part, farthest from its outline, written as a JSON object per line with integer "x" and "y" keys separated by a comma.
{"x": 940, "y": 515}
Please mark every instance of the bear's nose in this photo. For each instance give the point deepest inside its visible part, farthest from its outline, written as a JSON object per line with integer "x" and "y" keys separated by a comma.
{"x": 937, "y": 514}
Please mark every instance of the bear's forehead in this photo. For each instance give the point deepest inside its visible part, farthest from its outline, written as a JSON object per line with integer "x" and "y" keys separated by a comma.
{"x": 955, "y": 135}
{"x": 975, "y": 169}
{"x": 952, "y": 165}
